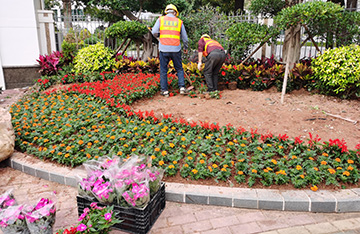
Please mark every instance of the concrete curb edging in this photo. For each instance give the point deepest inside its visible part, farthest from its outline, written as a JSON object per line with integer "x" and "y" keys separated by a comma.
{"x": 346, "y": 200}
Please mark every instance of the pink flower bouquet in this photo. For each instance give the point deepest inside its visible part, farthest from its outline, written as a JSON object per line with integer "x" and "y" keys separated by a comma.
{"x": 41, "y": 217}
{"x": 138, "y": 195}
{"x": 7, "y": 199}
{"x": 13, "y": 221}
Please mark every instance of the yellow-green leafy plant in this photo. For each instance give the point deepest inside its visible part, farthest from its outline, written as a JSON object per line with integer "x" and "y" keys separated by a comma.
{"x": 94, "y": 58}
{"x": 337, "y": 71}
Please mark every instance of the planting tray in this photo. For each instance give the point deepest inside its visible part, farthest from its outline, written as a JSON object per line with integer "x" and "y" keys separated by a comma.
{"x": 134, "y": 220}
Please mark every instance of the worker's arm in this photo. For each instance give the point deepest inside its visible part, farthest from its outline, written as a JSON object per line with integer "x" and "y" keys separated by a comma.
{"x": 199, "y": 60}
{"x": 156, "y": 28}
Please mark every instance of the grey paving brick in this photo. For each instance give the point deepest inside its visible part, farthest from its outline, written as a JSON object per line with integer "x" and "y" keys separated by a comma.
{"x": 29, "y": 170}
{"x": 174, "y": 196}
{"x": 71, "y": 181}
{"x": 17, "y": 166}
{"x": 245, "y": 198}
{"x": 57, "y": 178}
{"x": 196, "y": 199}
{"x": 270, "y": 199}
{"x": 42, "y": 174}
{"x": 295, "y": 200}
{"x": 220, "y": 200}
{"x": 347, "y": 200}
{"x": 321, "y": 201}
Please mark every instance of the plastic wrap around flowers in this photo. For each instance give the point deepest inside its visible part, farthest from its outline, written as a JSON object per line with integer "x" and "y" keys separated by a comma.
{"x": 41, "y": 217}
{"x": 125, "y": 183}
{"x": 26, "y": 219}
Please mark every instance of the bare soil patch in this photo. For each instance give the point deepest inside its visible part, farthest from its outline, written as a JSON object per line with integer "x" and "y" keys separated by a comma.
{"x": 302, "y": 113}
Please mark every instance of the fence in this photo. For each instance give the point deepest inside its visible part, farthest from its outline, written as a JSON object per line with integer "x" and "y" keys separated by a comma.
{"x": 97, "y": 28}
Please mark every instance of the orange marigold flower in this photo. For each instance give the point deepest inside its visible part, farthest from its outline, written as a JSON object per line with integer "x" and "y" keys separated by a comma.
{"x": 332, "y": 171}
{"x": 240, "y": 172}
{"x": 186, "y": 165}
{"x": 337, "y": 159}
{"x": 323, "y": 162}
{"x": 302, "y": 176}
{"x": 311, "y": 158}
{"x": 314, "y": 188}
{"x": 171, "y": 166}
{"x": 202, "y": 161}
{"x": 223, "y": 169}
{"x": 350, "y": 168}
{"x": 350, "y": 161}
{"x": 190, "y": 158}
{"x": 157, "y": 149}
{"x": 266, "y": 170}
{"x": 153, "y": 157}
{"x": 346, "y": 173}
{"x": 298, "y": 167}
{"x": 254, "y": 171}
{"x": 325, "y": 154}
{"x": 81, "y": 142}
{"x": 161, "y": 162}
{"x": 241, "y": 160}
{"x": 274, "y": 161}
{"x": 210, "y": 168}
{"x": 242, "y": 145}
{"x": 294, "y": 157}
{"x": 194, "y": 171}
{"x": 259, "y": 148}
{"x": 189, "y": 151}
{"x": 316, "y": 169}
{"x": 214, "y": 166}
{"x": 163, "y": 153}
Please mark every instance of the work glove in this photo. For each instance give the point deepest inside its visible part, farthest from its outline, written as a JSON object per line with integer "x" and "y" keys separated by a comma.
{"x": 199, "y": 66}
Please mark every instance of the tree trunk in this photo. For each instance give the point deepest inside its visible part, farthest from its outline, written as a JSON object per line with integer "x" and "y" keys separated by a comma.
{"x": 351, "y": 5}
{"x": 146, "y": 39}
{"x": 67, "y": 15}
{"x": 292, "y": 43}
{"x": 239, "y": 5}
{"x": 148, "y": 47}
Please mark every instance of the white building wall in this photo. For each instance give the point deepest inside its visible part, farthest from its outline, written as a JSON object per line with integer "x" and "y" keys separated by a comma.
{"x": 19, "y": 44}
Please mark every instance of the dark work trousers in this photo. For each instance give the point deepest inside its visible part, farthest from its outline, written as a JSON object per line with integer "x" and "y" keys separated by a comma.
{"x": 213, "y": 63}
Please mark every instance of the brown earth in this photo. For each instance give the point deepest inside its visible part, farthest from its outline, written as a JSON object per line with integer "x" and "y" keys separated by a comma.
{"x": 302, "y": 113}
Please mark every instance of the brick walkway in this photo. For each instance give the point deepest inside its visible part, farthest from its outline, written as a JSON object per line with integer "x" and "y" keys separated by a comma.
{"x": 187, "y": 218}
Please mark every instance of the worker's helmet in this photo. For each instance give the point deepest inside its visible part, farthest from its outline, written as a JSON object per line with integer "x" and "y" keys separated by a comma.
{"x": 171, "y": 7}
{"x": 205, "y": 35}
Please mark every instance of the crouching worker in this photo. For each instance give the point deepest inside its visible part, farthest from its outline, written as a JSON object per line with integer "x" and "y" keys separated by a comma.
{"x": 215, "y": 57}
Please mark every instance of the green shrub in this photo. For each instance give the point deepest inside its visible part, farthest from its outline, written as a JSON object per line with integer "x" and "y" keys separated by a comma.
{"x": 126, "y": 29}
{"x": 242, "y": 36}
{"x": 94, "y": 58}
{"x": 337, "y": 71}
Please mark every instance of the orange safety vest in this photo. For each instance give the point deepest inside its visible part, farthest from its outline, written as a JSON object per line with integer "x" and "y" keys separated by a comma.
{"x": 170, "y": 28}
{"x": 210, "y": 42}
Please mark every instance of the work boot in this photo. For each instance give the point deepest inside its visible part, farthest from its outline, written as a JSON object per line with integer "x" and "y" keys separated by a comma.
{"x": 183, "y": 91}
{"x": 165, "y": 93}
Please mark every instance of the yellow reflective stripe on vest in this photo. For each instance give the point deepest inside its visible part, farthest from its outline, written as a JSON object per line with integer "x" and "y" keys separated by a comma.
{"x": 170, "y": 28}
{"x": 209, "y": 42}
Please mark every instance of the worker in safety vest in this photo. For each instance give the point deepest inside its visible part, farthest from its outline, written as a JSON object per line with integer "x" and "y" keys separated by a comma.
{"x": 171, "y": 30}
{"x": 215, "y": 57}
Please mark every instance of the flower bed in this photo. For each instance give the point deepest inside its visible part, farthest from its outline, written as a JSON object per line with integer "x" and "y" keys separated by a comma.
{"x": 91, "y": 120}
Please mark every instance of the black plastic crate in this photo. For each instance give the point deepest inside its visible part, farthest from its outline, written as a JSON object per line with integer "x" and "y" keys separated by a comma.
{"x": 135, "y": 220}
